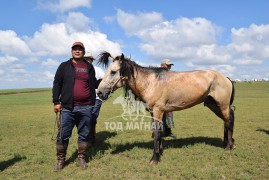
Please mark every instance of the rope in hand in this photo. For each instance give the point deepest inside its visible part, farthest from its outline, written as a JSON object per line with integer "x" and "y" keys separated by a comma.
{"x": 56, "y": 124}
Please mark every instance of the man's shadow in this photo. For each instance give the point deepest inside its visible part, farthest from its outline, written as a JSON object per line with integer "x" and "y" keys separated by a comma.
{"x": 10, "y": 162}
{"x": 99, "y": 147}
{"x": 171, "y": 143}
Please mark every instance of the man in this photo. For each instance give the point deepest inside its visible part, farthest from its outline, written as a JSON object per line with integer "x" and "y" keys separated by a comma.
{"x": 168, "y": 121}
{"x": 98, "y": 102}
{"x": 73, "y": 96}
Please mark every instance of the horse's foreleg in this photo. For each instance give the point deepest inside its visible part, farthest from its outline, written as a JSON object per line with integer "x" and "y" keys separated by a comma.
{"x": 158, "y": 148}
{"x": 228, "y": 132}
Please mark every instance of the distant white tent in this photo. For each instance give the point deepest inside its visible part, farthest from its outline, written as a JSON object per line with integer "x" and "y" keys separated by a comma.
{"x": 237, "y": 80}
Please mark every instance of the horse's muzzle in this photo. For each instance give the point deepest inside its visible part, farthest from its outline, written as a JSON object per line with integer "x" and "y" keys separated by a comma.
{"x": 102, "y": 96}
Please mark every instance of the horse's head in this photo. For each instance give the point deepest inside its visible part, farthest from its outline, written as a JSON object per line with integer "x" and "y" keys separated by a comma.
{"x": 113, "y": 78}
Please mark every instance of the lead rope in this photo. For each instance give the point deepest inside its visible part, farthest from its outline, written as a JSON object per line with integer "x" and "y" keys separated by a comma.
{"x": 55, "y": 124}
{"x": 58, "y": 123}
{"x": 61, "y": 126}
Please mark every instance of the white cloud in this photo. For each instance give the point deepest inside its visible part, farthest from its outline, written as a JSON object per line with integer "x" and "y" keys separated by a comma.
{"x": 227, "y": 70}
{"x": 110, "y": 19}
{"x": 247, "y": 60}
{"x": 51, "y": 40}
{"x": 50, "y": 63}
{"x": 212, "y": 55}
{"x": 194, "y": 32}
{"x": 11, "y": 44}
{"x": 99, "y": 73}
{"x": 250, "y": 45}
{"x": 7, "y": 59}
{"x": 77, "y": 21}
{"x": 57, "y": 39}
{"x": 18, "y": 71}
{"x": 9, "y": 69}
{"x": 132, "y": 24}
{"x": 180, "y": 38}
{"x": 48, "y": 75}
{"x": 64, "y": 5}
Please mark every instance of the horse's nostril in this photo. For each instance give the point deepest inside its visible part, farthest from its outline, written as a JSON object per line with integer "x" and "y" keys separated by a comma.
{"x": 99, "y": 94}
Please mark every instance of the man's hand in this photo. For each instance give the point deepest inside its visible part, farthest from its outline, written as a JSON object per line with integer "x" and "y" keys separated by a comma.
{"x": 57, "y": 108}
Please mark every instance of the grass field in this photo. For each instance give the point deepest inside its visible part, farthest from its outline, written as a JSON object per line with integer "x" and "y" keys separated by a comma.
{"x": 27, "y": 151}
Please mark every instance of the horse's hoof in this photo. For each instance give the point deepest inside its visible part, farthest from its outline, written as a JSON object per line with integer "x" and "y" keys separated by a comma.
{"x": 231, "y": 147}
{"x": 153, "y": 162}
{"x": 161, "y": 152}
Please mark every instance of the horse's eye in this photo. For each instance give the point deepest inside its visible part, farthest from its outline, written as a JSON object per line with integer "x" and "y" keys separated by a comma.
{"x": 113, "y": 72}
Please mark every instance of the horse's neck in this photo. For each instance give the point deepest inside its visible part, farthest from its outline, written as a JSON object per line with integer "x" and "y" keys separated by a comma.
{"x": 139, "y": 84}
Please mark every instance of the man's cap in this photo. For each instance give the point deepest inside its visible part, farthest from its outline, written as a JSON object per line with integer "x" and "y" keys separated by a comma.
{"x": 78, "y": 44}
{"x": 167, "y": 62}
{"x": 89, "y": 55}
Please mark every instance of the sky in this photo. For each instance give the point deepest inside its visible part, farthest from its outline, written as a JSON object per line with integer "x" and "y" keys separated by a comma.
{"x": 229, "y": 36}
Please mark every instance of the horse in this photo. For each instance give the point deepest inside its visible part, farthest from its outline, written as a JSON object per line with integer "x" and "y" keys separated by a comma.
{"x": 167, "y": 91}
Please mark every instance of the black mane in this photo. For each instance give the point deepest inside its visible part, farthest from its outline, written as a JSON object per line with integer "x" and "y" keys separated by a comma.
{"x": 127, "y": 65}
{"x": 103, "y": 59}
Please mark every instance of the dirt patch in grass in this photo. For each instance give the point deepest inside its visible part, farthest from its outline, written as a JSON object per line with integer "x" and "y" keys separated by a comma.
{"x": 21, "y": 92}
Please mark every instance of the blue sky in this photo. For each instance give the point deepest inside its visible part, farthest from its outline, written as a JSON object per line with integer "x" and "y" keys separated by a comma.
{"x": 230, "y": 36}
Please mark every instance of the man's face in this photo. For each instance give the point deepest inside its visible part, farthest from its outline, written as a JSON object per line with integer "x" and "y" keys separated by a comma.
{"x": 78, "y": 52}
{"x": 166, "y": 66}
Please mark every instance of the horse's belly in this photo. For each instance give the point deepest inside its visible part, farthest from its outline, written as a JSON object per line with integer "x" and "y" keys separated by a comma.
{"x": 184, "y": 103}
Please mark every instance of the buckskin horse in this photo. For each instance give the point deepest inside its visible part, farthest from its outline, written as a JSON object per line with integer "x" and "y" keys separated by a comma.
{"x": 166, "y": 91}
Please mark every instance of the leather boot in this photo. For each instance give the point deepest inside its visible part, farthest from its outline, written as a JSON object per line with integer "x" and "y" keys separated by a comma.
{"x": 61, "y": 153}
{"x": 92, "y": 135}
{"x": 82, "y": 149}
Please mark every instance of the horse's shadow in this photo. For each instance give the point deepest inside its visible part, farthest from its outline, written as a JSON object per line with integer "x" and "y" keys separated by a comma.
{"x": 174, "y": 143}
{"x": 263, "y": 130}
{"x": 99, "y": 148}
{"x": 10, "y": 162}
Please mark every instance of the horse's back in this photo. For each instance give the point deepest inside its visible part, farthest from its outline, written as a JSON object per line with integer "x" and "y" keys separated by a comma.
{"x": 203, "y": 83}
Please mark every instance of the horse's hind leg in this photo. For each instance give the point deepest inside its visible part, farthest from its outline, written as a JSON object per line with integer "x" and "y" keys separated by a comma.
{"x": 228, "y": 131}
{"x": 227, "y": 114}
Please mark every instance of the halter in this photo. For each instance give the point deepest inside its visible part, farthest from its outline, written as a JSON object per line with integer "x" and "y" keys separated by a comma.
{"x": 120, "y": 79}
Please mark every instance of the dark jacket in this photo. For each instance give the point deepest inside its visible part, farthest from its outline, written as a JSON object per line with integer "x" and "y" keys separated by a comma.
{"x": 63, "y": 84}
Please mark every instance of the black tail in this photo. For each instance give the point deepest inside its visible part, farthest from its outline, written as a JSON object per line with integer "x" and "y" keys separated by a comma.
{"x": 232, "y": 96}
{"x": 233, "y": 92}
